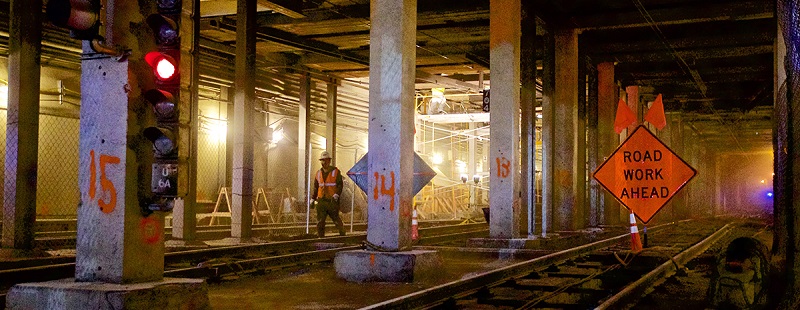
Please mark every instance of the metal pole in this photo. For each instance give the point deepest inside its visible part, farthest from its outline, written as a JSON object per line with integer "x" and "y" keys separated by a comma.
{"x": 353, "y": 196}
{"x": 308, "y": 192}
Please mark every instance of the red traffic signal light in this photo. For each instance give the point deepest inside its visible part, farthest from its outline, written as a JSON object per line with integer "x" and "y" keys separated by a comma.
{"x": 164, "y": 66}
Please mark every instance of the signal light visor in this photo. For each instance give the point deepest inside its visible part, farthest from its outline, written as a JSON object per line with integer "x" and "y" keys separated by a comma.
{"x": 163, "y": 140}
{"x": 164, "y": 29}
{"x": 163, "y": 103}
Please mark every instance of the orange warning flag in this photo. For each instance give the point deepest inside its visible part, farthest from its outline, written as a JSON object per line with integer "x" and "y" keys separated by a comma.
{"x": 624, "y": 118}
{"x": 655, "y": 115}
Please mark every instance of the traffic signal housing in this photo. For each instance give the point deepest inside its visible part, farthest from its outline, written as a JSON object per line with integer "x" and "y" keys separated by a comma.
{"x": 81, "y": 17}
{"x": 164, "y": 100}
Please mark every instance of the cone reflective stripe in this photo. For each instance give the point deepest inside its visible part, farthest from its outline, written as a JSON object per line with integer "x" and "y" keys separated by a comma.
{"x": 636, "y": 242}
{"x": 414, "y": 226}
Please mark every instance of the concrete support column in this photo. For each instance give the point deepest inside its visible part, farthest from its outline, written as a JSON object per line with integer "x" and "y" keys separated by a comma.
{"x": 668, "y": 211}
{"x": 581, "y": 193}
{"x": 471, "y": 163}
{"x": 260, "y": 156}
{"x": 504, "y": 42}
{"x": 548, "y": 124}
{"x": 391, "y": 123}
{"x": 718, "y": 164}
{"x": 303, "y": 137}
{"x": 594, "y": 159}
{"x": 184, "y": 219}
{"x": 690, "y": 191}
{"x": 568, "y": 204}
{"x": 22, "y": 128}
{"x": 242, "y": 187}
{"x": 695, "y": 189}
{"x": 607, "y": 139}
{"x": 528, "y": 105}
{"x": 632, "y": 99}
{"x": 709, "y": 191}
{"x": 116, "y": 242}
{"x": 677, "y": 146}
{"x": 227, "y": 95}
{"x": 330, "y": 122}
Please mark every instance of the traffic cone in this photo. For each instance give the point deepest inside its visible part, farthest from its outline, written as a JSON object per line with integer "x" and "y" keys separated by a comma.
{"x": 636, "y": 242}
{"x": 414, "y": 225}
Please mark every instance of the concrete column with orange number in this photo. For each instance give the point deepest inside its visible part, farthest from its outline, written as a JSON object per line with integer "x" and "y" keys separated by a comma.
{"x": 504, "y": 41}
{"x": 568, "y": 205}
{"x": 391, "y": 124}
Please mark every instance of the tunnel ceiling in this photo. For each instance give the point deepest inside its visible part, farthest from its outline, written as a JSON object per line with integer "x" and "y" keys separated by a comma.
{"x": 711, "y": 60}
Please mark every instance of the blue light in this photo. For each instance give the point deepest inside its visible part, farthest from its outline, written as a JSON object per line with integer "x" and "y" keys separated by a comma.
{"x": 769, "y": 194}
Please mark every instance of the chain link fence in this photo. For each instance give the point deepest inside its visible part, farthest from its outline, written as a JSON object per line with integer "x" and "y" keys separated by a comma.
{"x": 210, "y": 161}
{"x": 57, "y": 193}
{"x": 786, "y": 102}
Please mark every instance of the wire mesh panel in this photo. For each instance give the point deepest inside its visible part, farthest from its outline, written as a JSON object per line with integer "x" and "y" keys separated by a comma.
{"x": 210, "y": 166}
{"x": 57, "y": 193}
{"x": 787, "y": 122}
{"x": 3, "y": 122}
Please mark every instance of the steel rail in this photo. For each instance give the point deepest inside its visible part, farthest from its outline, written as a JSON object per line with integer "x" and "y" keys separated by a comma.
{"x": 460, "y": 288}
{"x": 638, "y": 288}
{"x": 215, "y": 270}
{"x": 61, "y": 238}
{"x": 474, "y": 233}
{"x": 250, "y": 265}
{"x": 9, "y": 277}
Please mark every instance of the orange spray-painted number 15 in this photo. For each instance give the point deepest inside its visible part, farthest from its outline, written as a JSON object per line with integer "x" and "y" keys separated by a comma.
{"x": 105, "y": 184}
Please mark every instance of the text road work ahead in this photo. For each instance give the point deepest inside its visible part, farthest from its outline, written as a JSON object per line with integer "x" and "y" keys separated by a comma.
{"x": 644, "y": 192}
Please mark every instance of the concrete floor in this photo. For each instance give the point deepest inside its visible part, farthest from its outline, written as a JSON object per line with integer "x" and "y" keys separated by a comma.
{"x": 317, "y": 287}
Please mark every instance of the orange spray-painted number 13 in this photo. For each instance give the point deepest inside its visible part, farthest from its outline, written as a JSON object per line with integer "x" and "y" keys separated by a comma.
{"x": 503, "y": 167}
{"x": 105, "y": 184}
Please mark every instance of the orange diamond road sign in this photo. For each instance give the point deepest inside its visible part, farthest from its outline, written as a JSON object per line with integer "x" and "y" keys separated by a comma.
{"x": 644, "y": 174}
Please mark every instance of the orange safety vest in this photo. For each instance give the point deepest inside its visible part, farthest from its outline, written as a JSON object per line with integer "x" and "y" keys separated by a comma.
{"x": 327, "y": 187}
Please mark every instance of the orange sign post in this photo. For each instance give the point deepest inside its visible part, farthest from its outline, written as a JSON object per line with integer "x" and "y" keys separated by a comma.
{"x": 644, "y": 174}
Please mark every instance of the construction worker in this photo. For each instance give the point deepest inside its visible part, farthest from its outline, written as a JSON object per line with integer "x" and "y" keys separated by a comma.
{"x": 328, "y": 182}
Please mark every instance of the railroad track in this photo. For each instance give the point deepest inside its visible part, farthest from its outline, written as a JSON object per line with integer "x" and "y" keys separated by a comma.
{"x": 220, "y": 262}
{"x": 583, "y": 277}
{"x": 67, "y": 239}
{"x": 683, "y": 287}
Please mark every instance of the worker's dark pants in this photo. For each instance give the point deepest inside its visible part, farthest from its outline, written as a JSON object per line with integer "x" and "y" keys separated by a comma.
{"x": 325, "y": 208}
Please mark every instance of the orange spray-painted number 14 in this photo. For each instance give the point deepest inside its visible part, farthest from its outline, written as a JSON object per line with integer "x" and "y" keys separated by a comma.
{"x": 383, "y": 190}
{"x": 105, "y": 184}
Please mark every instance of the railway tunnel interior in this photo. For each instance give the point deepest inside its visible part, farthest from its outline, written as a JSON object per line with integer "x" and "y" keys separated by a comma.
{"x": 714, "y": 63}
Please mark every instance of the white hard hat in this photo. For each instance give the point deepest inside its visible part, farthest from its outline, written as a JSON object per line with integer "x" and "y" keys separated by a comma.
{"x": 324, "y": 155}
